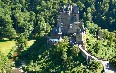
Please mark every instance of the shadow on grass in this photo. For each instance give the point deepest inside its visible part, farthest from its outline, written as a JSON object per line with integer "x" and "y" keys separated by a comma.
{"x": 4, "y": 40}
{"x": 54, "y": 60}
{"x": 32, "y": 53}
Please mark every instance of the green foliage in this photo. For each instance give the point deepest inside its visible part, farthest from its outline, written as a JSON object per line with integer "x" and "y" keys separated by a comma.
{"x": 78, "y": 69}
{"x": 24, "y": 22}
{"x": 27, "y": 19}
{"x": 61, "y": 48}
{"x": 5, "y": 65}
{"x": 34, "y": 18}
{"x": 75, "y": 50}
{"x": 6, "y": 24}
{"x": 113, "y": 61}
{"x": 93, "y": 28}
{"x": 21, "y": 42}
{"x": 103, "y": 49}
{"x": 95, "y": 66}
{"x": 50, "y": 58}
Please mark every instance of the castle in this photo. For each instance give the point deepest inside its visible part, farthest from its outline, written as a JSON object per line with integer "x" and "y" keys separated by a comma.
{"x": 68, "y": 25}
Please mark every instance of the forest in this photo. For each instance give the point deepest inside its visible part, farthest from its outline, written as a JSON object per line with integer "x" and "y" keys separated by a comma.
{"x": 24, "y": 20}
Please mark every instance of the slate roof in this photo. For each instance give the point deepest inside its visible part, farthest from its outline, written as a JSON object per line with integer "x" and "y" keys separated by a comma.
{"x": 73, "y": 19}
{"x": 55, "y": 30}
{"x": 75, "y": 9}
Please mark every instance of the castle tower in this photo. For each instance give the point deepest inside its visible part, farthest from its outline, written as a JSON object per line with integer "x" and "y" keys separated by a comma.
{"x": 68, "y": 20}
{"x": 63, "y": 19}
{"x": 68, "y": 24}
{"x": 69, "y": 17}
{"x": 75, "y": 13}
{"x": 81, "y": 35}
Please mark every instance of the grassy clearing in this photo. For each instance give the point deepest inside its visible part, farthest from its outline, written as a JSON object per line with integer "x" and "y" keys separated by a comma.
{"x": 6, "y": 45}
{"x": 29, "y": 43}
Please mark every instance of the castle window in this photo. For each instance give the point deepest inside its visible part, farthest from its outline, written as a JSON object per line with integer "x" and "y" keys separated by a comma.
{"x": 78, "y": 11}
{"x": 61, "y": 25}
{"x": 70, "y": 25}
{"x": 57, "y": 18}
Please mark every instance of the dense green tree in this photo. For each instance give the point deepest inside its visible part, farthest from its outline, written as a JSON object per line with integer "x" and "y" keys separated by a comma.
{"x": 61, "y": 49}
{"x": 93, "y": 28}
{"x": 103, "y": 49}
{"x": 6, "y": 24}
{"x": 26, "y": 19}
{"x": 24, "y": 22}
{"x": 95, "y": 66}
{"x": 75, "y": 50}
{"x": 21, "y": 42}
{"x": 78, "y": 69}
{"x": 5, "y": 65}
{"x": 113, "y": 61}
